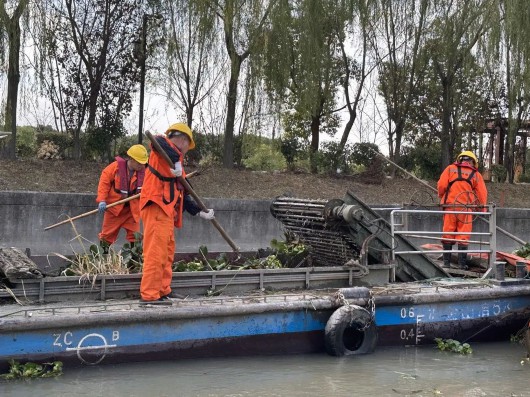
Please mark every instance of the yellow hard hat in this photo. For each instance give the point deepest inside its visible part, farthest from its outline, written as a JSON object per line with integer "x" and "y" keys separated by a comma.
{"x": 183, "y": 129}
{"x": 138, "y": 153}
{"x": 467, "y": 153}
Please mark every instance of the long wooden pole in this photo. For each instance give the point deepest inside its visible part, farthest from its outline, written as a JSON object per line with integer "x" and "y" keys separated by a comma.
{"x": 190, "y": 190}
{"x": 92, "y": 212}
{"x": 190, "y": 175}
{"x": 505, "y": 232}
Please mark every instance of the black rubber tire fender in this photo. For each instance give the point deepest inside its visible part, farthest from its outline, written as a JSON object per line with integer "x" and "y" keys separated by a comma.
{"x": 350, "y": 319}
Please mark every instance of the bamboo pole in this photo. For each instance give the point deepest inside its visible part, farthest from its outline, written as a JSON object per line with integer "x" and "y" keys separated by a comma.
{"x": 189, "y": 189}
{"x": 92, "y": 212}
{"x": 505, "y": 232}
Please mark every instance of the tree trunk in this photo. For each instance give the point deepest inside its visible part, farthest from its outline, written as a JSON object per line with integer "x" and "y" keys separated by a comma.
{"x": 347, "y": 129}
{"x": 510, "y": 145}
{"x": 92, "y": 107}
{"x": 398, "y": 137}
{"x": 231, "y": 99}
{"x": 13, "y": 79}
{"x": 447, "y": 154}
{"x": 189, "y": 114}
{"x": 12, "y": 28}
{"x": 315, "y": 135}
{"x": 510, "y": 138}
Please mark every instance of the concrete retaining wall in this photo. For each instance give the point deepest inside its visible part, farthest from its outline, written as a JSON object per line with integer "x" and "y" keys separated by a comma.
{"x": 249, "y": 223}
{"x": 24, "y": 216}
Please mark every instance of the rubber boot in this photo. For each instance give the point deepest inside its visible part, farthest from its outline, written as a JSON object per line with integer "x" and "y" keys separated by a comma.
{"x": 447, "y": 255}
{"x": 462, "y": 257}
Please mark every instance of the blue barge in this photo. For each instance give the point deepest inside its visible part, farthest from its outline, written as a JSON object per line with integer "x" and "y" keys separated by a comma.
{"x": 370, "y": 286}
{"x": 399, "y": 314}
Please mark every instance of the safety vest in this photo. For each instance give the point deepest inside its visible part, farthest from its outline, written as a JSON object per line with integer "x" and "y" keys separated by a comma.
{"x": 162, "y": 188}
{"x": 461, "y": 184}
{"x": 458, "y": 179}
{"x": 115, "y": 184}
{"x": 127, "y": 189}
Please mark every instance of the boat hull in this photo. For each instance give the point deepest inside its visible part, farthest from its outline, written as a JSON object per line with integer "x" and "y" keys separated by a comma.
{"x": 281, "y": 324}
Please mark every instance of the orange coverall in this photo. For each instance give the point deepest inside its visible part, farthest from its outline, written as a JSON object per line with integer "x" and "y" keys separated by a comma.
{"x": 467, "y": 189}
{"x": 161, "y": 205}
{"x": 125, "y": 215}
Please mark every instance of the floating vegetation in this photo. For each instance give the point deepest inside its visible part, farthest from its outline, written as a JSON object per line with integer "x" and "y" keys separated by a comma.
{"x": 269, "y": 262}
{"x": 523, "y": 252}
{"x": 291, "y": 245}
{"x": 99, "y": 259}
{"x": 291, "y": 252}
{"x": 520, "y": 336}
{"x": 453, "y": 346}
{"x": 31, "y": 370}
{"x": 133, "y": 254}
{"x": 222, "y": 262}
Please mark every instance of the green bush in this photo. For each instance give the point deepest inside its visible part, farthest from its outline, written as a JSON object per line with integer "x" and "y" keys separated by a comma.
{"x": 100, "y": 137}
{"x": 249, "y": 143}
{"x": 331, "y": 158}
{"x": 208, "y": 149}
{"x": 424, "y": 161}
{"x": 499, "y": 172}
{"x": 290, "y": 148}
{"x": 265, "y": 158}
{"x": 26, "y": 142}
{"x": 302, "y": 164}
{"x": 123, "y": 144}
{"x": 363, "y": 153}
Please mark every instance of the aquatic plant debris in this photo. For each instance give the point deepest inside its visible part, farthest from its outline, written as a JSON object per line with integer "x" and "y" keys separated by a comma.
{"x": 453, "y": 346}
{"x": 31, "y": 370}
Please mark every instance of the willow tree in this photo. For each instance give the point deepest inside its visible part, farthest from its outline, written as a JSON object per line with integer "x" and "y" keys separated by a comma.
{"x": 193, "y": 63}
{"x": 11, "y": 27}
{"x": 453, "y": 34}
{"x": 243, "y": 25}
{"x": 400, "y": 30}
{"x": 303, "y": 66}
{"x": 507, "y": 53}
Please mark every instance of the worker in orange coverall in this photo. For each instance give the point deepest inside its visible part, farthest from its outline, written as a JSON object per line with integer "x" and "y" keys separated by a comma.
{"x": 460, "y": 188}
{"x": 162, "y": 202}
{"x": 121, "y": 179}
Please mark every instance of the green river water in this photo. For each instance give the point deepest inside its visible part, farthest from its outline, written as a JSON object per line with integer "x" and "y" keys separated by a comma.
{"x": 493, "y": 369}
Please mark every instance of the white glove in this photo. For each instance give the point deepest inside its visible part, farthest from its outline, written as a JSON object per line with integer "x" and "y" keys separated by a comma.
{"x": 177, "y": 171}
{"x": 208, "y": 215}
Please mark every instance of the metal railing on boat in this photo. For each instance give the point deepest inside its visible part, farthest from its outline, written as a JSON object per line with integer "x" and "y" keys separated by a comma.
{"x": 102, "y": 287}
{"x": 399, "y": 225}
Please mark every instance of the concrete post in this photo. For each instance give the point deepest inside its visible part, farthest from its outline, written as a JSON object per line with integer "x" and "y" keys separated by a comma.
{"x": 499, "y": 270}
{"x": 520, "y": 269}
